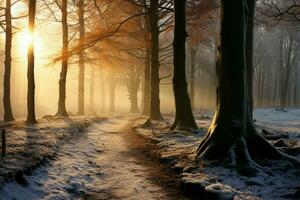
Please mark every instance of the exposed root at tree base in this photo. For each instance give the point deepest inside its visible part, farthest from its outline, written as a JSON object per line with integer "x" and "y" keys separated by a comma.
{"x": 247, "y": 154}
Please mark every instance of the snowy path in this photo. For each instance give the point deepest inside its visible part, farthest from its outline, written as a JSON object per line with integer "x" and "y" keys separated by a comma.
{"x": 103, "y": 163}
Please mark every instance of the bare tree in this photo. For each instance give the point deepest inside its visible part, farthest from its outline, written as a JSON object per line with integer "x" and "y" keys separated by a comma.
{"x": 30, "y": 73}
{"x": 8, "y": 115}
{"x": 184, "y": 119}
{"x": 64, "y": 67}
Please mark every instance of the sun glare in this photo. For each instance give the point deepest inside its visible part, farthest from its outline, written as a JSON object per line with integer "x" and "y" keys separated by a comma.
{"x": 26, "y": 39}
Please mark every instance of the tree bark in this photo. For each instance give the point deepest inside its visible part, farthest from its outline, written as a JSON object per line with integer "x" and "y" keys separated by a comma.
{"x": 232, "y": 136}
{"x": 81, "y": 58}
{"x": 184, "y": 119}
{"x": 64, "y": 66}
{"x": 8, "y": 114}
{"x": 249, "y": 51}
{"x": 155, "y": 113}
{"x": 30, "y": 72}
{"x": 146, "y": 98}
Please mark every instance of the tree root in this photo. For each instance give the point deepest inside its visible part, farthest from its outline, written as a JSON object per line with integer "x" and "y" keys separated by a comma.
{"x": 244, "y": 152}
{"x": 182, "y": 125}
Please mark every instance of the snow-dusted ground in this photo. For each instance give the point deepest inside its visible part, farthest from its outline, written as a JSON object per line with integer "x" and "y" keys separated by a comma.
{"x": 96, "y": 164}
{"x": 283, "y": 121}
{"x": 280, "y": 181}
{"x": 29, "y": 146}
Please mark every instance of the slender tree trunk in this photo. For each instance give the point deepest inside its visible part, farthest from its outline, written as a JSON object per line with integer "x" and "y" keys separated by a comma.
{"x": 184, "y": 119}
{"x": 193, "y": 52}
{"x": 249, "y": 51}
{"x": 64, "y": 66}
{"x": 295, "y": 101}
{"x": 155, "y": 113}
{"x": 30, "y": 72}
{"x": 81, "y": 58}
{"x": 112, "y": 92}
{"x": 8, "y": 115}
{"x": 276, "y": 86}
{"x": 146, "y": 98}
{"x": 102, "y": 92}
{"x": 92, "y": 89}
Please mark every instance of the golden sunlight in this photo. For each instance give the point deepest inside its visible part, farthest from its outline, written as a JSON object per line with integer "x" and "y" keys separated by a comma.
{"x": 26, "y": 39}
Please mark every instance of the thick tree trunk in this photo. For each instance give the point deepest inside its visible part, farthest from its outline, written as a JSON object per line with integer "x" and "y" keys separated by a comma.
{"x": 8, "y": 115}
{"x": 155, "y": 113}
{"x": 249, "y": 52}
{"x": 81, "y": 58}
{"x": 232, "y": 136}
{"x": 146, "y": 92}
{"x": 30, "y": 72}
{"x": 64, "y": 66}
{"x": 184, "y": 119}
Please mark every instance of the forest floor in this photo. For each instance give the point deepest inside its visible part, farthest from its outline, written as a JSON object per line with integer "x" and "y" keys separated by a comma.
{"x": 176, "y": 149}
{"x": 29, "y": 146}
{"x": 105, "y": 158}
{"x": 106, "y": 161}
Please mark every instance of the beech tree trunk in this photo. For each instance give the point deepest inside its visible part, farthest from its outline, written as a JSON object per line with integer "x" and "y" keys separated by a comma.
{"x": 155, "y": 113}
{"x": 8, "y": 115}
{"x": 30, "y": 72}
{"x": 64, "y": 66}
{"x": 184, "y": 119}
{"x": 232, "y": 136}
{"x": 249, "y": 52}
{"x": 81, "y": 58}
{"x": 146, "y": 92}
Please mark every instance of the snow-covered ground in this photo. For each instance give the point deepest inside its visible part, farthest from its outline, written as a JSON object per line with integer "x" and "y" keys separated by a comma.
{"x": 109, "y": 161}
{"x": 29, "y": 146}
{"x": 280, "y": 120}
{"x": 96, "y": 164}
{"x": 281, "y": 181}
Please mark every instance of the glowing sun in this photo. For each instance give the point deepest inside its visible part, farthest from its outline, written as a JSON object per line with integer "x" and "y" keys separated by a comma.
{"x": 27, "y": 39}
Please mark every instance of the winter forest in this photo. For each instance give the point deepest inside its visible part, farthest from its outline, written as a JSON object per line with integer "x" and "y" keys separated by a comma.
{"x": 150, "y": 99}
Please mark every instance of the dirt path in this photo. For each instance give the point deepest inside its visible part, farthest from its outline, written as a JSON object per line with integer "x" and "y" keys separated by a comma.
{"x": 109, "y": 161}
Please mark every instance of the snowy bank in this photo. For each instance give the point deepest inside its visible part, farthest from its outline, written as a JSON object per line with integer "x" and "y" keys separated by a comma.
{"x": 29, "y": 146}
{"x": 280, "y": 180}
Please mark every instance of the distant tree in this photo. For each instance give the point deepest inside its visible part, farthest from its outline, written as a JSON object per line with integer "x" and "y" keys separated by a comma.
{"x": 81, "y": 6}
{"x": 232, "y": 134}
{"x": 64, "y": 67}
{"x": 133, "y": 80}
{"x": 184, "y": 119}
{"x": 8, "y": 115}
{"x": 30, "y": 72}
{"x": 289, "y": 53}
